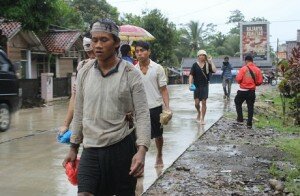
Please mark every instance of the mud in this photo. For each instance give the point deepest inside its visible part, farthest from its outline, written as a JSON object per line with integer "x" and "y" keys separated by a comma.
{"x": 228, "y": 159}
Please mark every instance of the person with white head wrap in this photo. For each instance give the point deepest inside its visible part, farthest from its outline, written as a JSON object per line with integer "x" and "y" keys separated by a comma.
{"x": 108, "y": 89}
{"x": 64, "y": 129}
{"x": 87, "y": 44}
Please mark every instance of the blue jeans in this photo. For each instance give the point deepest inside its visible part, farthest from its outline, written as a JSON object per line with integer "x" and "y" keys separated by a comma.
{"x": 227, "y": 86}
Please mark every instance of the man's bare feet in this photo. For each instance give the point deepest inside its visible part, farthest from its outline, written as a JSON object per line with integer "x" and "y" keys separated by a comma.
{"x": 158, "y": 171}
{"x": 159, "y": 162}
{"x": 202, "y": 122}
{"x": 198, "y": 117}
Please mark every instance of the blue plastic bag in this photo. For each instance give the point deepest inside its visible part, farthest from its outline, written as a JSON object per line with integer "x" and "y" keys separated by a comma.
{"x": 192, "y": 87}
{"x": 64, "y": 138}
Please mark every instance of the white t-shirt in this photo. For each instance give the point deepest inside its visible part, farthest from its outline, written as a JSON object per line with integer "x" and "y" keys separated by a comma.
{"x": 153, "y": 80}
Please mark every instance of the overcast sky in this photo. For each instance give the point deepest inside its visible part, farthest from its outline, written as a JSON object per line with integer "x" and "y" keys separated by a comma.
{"x": 283, "y": 15}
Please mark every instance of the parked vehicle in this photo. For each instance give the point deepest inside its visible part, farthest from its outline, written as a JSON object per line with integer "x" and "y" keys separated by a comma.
{"x": 269, "y": 79}
{"x": 9, "y": 91}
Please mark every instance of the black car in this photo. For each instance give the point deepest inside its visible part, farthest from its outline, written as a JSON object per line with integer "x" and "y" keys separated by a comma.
{"x": 9, "y": 91}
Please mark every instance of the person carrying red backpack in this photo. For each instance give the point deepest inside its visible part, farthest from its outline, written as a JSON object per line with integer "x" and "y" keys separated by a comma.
{"x": 248, "y": 77}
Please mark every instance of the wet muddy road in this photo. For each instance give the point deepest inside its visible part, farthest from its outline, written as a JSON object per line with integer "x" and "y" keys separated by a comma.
{"x": 228, "y": 160}
{"x": 31, "y": 158}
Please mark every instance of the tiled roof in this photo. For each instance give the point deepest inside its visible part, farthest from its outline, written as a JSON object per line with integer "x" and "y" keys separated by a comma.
{"x": 59, "y": 41}
{"x": 9, "y": 29}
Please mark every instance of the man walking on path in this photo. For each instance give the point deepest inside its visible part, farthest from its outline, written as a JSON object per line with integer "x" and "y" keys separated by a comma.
{"x": 87, "y": 45}
{"x": 155, "y": 82}
{"x": 199, "y": 76}
{"x": 248, "y": 77}
{"x": 226, "y": 77}
{"x": 109, "y": 88}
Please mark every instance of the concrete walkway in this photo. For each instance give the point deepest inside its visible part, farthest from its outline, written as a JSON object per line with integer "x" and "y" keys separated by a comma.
{"x": 31, "y": 158}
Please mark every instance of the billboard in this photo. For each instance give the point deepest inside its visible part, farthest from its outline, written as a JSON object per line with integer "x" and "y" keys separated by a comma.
{"x": 289, "y": 47}
{"x": 255, "y": 40}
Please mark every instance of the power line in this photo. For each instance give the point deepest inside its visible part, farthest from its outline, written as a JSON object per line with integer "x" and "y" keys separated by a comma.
{"x": 274, "y": 21}
{"x": 286, "y": 20}
{"x": 215, "y": 5}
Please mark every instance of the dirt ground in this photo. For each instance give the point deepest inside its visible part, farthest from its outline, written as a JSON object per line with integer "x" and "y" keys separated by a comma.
{"x": 228, "y": 159}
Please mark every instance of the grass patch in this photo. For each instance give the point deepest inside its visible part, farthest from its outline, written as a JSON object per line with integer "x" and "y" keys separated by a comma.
{"x": 275, "y": 123}
{"x": 291, "y": 177}
{"x": 274, "y": 120}
{"x": 292, "y": 146}
{"x": 274, "y": 171}
{"x": 272, "y": 116}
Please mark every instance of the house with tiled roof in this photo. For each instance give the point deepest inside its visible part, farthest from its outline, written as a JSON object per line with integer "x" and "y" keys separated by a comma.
{"x": 57, "y": 51}
{"x": 66, "y": 49}
{"x": 21, "y": 47}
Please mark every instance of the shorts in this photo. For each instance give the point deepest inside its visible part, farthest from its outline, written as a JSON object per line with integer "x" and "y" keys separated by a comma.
{"x": 105, "y": 171}
{"x": 156, "y": 127}
{"x": 201, "y": 93}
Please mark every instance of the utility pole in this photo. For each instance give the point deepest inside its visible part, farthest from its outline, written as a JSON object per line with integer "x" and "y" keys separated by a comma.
{"x": 277, "y": 59}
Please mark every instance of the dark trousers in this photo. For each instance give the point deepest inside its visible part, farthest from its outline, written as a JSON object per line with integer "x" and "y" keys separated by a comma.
{"x": 105, "y": 171}
{"x": 249, "y": 97}
{"x": 156, "y": 128}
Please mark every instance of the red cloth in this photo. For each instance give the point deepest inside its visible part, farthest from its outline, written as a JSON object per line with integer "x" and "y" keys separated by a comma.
{"x": 72, "y": 172}
{"x": 245, "y": 79}
{"x": 135, "y": 61}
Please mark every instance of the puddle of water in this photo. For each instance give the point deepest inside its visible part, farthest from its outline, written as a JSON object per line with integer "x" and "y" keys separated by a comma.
{"x": 228, "y": 150}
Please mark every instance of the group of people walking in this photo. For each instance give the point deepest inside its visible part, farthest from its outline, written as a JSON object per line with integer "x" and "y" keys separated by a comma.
{"x": 115, "y": 109}
{"x": 248, "y": 77}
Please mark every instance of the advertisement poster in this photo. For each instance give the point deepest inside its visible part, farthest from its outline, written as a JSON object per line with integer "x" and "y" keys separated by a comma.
{"x": 255, "y": 40}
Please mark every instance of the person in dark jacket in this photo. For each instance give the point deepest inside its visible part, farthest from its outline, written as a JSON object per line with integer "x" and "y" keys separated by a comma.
{"x": 226, "y": 77}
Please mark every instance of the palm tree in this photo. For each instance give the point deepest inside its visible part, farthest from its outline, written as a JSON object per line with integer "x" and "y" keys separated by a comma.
{"x": 192, "y": 36}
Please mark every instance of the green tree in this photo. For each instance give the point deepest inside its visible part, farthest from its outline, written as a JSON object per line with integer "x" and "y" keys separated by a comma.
{"x": 193, "y": 35}
{"x": 35, "y": 15}
{"x": 162, "y": 48}
{"x": 293, "y": 80}
{"x": 258, "y": 19}
{"x": 235, "y": 18}
{"x": 166, "y": 37}
{"x": 182, "y": 48}
{"x": 91, "y": 10}
{"x": 215, "y": 45}
{"x": 132, "y": 20}
{"x": 208, "y": 33}
{"x": 232, "y": 44}
{"x": 218, "y": 39}
{"x": 69, "y": 17}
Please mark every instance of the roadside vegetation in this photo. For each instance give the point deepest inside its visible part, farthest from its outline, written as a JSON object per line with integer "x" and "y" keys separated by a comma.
{"x": 269, "y": 115}
{"x": 279, "y": 109}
